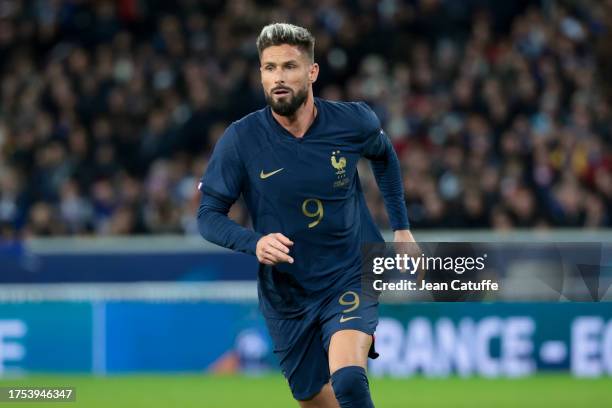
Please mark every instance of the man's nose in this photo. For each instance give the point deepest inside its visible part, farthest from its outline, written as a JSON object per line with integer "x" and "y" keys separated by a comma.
{"x": 279, "y": 77}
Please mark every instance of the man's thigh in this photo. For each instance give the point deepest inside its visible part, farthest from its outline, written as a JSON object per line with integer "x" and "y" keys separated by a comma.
{"x": 348, "y": 312}
{"x": 303, "y": 360}
{"x": 349, "y": 348}
{"x": 324, "y": 399}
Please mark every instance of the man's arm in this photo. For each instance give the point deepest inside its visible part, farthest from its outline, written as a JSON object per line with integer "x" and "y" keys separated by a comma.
{"x": 215, "y": 226}
{"x": 386, "y": 169}
{"x": 221, "y": 185}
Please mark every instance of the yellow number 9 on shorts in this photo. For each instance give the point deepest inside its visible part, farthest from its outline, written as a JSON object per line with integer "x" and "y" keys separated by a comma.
{"x": 350, "y": 299}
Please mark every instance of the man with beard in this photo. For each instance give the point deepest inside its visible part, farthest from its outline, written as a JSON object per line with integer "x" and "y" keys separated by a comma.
{"x": 295, "y": 163}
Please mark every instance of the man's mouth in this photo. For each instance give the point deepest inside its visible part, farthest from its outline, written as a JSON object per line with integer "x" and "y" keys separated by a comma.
{"x": 280, "y": 92}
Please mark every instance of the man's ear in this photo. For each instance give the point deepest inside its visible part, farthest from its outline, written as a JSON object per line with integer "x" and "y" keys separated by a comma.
{"x": 313, "y": 74}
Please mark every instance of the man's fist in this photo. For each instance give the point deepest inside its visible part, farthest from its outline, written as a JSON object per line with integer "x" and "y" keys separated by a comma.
{"x": 273, "y": 249}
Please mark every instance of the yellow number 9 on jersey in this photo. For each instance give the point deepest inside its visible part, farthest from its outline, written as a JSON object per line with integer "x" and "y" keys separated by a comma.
{"x": 318, "y": 214}
{"x": 351, "y": 299}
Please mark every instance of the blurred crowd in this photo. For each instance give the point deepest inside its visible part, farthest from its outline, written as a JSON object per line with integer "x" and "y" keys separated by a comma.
{"x": 499, "y": 111}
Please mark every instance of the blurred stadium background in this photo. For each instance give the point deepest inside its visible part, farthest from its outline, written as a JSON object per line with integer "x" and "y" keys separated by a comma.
{"x": 500, "y": 112}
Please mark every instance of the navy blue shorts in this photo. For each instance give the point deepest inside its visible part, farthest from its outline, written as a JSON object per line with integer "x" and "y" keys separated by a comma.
{"x": 302, "y": 343}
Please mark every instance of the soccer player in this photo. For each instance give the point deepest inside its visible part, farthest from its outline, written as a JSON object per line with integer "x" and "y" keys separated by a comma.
{"x": 295, "y": 164}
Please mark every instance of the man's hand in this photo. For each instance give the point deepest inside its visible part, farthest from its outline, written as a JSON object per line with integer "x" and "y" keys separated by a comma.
{"x": 273, "y": 249}
{"x": 406, "y": 244}
{"x": 403, "y": 236}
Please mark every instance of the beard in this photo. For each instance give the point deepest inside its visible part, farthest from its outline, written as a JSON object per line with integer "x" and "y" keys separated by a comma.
{"x": 287, "y": 105}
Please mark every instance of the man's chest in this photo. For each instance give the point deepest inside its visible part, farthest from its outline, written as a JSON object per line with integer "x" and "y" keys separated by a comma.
{"x": 324, "y": 169}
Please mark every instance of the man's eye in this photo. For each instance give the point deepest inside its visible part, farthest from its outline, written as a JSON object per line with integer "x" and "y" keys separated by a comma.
{"x": 269, "y": 68}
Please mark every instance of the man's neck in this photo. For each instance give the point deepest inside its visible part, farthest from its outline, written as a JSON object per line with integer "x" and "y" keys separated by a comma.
{"x": 298, "y": 123}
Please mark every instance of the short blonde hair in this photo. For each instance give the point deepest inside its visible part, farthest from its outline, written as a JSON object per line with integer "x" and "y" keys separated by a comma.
{"x": 284, "y": 33}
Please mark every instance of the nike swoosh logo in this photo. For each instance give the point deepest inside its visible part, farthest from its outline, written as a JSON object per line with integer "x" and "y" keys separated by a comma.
{"x": 263, "y": 175}
{"x": 346, "y": 319}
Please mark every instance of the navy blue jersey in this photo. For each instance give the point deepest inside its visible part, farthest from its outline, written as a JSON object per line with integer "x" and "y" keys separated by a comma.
{"x": 305, "y": 188}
